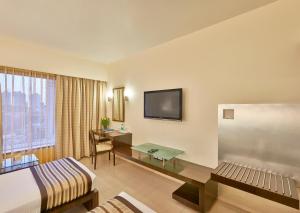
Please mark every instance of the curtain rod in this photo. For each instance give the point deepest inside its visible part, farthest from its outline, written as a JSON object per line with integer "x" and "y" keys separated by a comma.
{"x": 29, "y": 72}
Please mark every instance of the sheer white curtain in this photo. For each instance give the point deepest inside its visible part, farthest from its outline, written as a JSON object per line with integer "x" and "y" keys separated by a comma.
{"x": 28, "y": 111}
{"x": 1, "y": 143}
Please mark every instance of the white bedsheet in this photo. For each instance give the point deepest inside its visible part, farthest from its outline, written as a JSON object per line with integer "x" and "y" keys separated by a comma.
{"x": 142, "y": 207}
{"x": 20, "y": 193}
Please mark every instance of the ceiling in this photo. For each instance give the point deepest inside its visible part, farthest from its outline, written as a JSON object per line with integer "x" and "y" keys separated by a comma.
{"x": 109, "y": 30}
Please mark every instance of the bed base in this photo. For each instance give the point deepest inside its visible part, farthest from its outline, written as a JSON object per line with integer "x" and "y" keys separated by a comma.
{"x": 90, "y": 201}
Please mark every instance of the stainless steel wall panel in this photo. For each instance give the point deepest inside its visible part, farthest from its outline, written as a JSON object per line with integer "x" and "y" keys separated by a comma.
{"x": 265, "y": 136}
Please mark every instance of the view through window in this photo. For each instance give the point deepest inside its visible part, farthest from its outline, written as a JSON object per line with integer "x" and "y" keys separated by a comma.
{"x": 28, "y": 112}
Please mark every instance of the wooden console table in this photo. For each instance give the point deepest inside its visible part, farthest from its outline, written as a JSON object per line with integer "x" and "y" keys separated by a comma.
{"x": 198, "y": 192}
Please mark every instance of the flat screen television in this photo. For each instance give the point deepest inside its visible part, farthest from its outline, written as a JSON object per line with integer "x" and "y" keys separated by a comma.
{"x": 163, "y": 104}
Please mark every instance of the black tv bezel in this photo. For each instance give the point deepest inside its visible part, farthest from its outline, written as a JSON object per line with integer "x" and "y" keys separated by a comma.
{"x": 165, "y": 118}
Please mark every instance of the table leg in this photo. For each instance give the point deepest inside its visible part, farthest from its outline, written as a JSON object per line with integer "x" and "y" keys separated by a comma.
{"x": 174, "y": 163}
{"x": 163, "y": 162}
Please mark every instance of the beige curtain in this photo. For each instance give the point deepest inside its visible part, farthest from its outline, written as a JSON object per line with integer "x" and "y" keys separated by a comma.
{"x": 80, "y": 104}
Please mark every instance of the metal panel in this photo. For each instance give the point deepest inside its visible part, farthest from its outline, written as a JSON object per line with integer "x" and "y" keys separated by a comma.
{"x": 263, "y": 136}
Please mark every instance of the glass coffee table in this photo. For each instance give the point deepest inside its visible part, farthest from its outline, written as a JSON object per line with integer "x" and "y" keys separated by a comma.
{"x": 12, "y": 164}
{"x": 158, "y": 152}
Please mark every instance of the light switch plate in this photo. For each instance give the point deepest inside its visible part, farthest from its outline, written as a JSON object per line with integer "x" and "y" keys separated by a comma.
{"x": 228, "y": 114}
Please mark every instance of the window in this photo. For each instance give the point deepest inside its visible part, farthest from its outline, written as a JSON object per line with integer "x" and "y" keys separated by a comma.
{"x": 28, "y": 112}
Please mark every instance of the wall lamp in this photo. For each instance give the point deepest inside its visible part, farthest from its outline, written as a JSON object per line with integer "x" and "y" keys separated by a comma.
{"x": 127, "y": 94}
{"x": 109, "y": 96}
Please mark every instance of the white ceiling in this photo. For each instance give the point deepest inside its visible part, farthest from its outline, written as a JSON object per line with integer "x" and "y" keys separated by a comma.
{"x": 108, "y": 30}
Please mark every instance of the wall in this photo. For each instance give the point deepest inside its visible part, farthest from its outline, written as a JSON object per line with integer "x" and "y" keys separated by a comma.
{"x": 20, "y": 54}
{"x": 252, "y": 58}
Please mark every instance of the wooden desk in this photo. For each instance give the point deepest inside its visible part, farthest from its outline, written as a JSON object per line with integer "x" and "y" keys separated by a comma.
{"x": 125, "y": 137}
{"x": 122, "y": 142}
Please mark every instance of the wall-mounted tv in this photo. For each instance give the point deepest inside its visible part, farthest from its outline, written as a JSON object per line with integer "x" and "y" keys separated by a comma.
{"x": 163, "y": 104}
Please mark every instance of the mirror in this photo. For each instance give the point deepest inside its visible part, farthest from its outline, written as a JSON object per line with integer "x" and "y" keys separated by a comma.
{"x": 118, "y": 104}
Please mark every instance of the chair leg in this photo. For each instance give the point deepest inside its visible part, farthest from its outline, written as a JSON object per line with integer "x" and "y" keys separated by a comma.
{"x": 92, "y": 157}
{"x": 95, "y": 160}
{"x": 114, "y": 158}
{"x": 108, "y": 155}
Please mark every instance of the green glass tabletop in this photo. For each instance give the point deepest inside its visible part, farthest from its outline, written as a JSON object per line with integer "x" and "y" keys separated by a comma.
{"x": 157, "y": 151}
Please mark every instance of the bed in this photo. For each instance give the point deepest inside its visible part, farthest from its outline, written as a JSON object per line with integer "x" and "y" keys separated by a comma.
{"x": 122, "y": 203}
{"x": 21, "y": 191}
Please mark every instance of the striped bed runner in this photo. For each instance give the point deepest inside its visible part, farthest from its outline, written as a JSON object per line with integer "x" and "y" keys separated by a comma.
{"x": 60, "y": 181}
{"x": 116, "y": 205}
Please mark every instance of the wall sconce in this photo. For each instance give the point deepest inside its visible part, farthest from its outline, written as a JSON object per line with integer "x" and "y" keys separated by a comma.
{"x": 109, "y": 96}
{"x": 127, "y": 94}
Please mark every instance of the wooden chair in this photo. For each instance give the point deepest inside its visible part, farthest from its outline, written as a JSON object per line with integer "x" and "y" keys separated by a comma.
{"x": 100, "y": 146}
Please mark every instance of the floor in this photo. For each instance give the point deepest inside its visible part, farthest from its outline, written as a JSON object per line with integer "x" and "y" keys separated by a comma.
{"x": 155, "y": 190}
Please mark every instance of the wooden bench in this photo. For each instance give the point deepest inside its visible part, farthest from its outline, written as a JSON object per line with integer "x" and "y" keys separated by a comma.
{"x": 263, "y": 183}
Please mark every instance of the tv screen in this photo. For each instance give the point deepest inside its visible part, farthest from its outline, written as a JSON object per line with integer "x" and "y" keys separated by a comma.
{"x": 163, "y": 104}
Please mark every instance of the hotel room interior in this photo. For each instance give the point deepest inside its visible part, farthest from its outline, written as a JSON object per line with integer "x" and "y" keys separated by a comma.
{"x": 149, "y": 106}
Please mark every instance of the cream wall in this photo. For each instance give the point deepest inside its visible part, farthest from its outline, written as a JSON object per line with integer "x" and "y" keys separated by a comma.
{"x": 252, "y": 58}
{"x": 20, "y": 54}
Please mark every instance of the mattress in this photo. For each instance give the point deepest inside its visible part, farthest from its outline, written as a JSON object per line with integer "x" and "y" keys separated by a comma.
{"x": 20, "y": 192}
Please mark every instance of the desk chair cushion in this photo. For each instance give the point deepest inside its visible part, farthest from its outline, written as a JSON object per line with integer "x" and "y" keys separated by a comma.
{"x": 102, "y": 147}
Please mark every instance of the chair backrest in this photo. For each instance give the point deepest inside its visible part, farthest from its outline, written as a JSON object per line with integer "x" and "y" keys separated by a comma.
{"x": 92, "y": 142}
